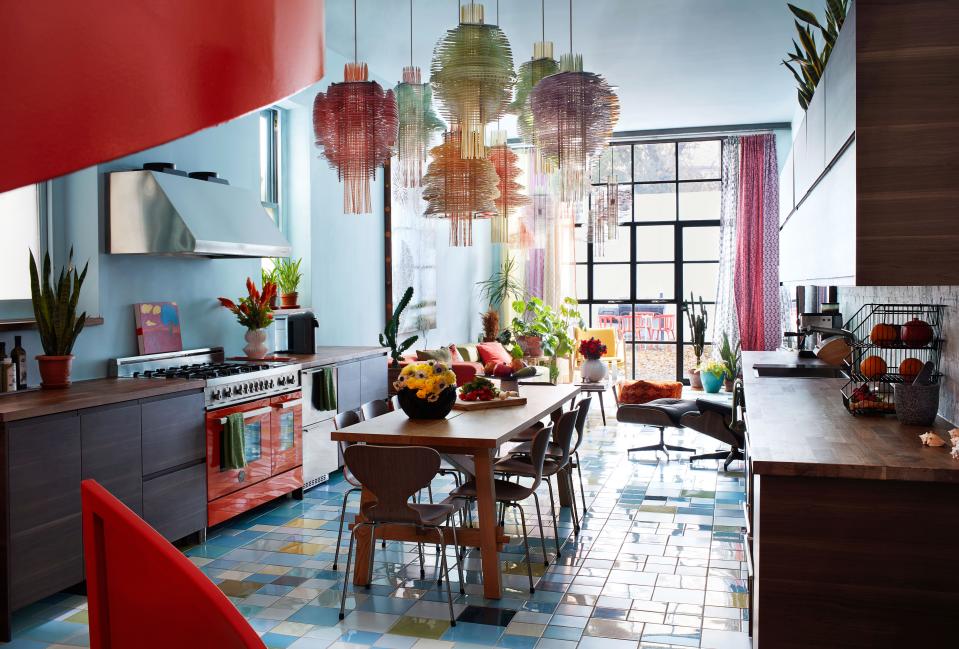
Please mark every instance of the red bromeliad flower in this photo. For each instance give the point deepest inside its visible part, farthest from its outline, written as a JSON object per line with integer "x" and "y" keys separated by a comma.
{"x": 253, "y": 311}
{"x": 592, "y": 349}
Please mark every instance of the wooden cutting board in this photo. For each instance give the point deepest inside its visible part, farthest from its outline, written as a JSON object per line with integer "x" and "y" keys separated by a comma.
{"x": 485, "y": 405}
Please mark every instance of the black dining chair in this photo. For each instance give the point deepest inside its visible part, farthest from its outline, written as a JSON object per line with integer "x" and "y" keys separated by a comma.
{"x": 341, "y": 421}
{"x": 375, "y": 408}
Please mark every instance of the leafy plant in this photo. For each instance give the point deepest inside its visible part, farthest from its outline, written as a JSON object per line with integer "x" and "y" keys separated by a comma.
{"x": 732, "y": 358}
{"x": 808, "y": 59}
{"x": 698, "y": 320}
{"x": 534, "y": 318}
{"x": 502, "y": 285}
{"x": 254, "y": 310}
{"x": 55, "y": 307}
{"x": 267, "y": 275}
{"x": 288, "y": 275}
{"x": 388, "y": 337}
{"x": 714, "y": 367}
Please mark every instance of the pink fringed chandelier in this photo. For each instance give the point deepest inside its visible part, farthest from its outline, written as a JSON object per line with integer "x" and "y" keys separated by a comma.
{"x": 511, "y": 193}
{"x": 459, "y": 189}
{"x": 355, "y": 122}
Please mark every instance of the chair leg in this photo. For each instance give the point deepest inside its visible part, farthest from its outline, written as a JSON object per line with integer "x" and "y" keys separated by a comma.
{"x": 449, "y": 593}
{"x": 582, "y": 489}
{"x": 429, "y": 491}
{"x": 542, "y": 534}
{"x": 339, "y": 535}
{"x": 346, "y": 572}
{"x": 372, "y": 552}
{"x": 529, "y": 560}
{"x": 552, "y": 510}
{"x": 419, "y": 547}
{"x": 662, "y": 446}
{"x": 572, "y": 500}
{"x": 459, "y": 562}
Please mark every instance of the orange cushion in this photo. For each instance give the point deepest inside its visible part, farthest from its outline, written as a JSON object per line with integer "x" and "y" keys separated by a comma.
{"x": 493, "y": 351}
{"x": 646, "y": 391}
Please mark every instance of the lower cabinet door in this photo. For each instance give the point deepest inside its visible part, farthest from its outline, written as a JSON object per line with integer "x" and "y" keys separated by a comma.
{"x": 110, "y": 451}
{"x": 175, "y": 504}
{"x": 287, "y": 435}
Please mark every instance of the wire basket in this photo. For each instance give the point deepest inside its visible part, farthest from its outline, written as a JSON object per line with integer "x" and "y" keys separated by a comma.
{"x": 869, "y": 390}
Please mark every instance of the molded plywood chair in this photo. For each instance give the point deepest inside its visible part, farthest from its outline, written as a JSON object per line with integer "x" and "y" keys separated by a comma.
{"x": 142, "y": 592}
{"x": 341, "y": 421}
{"x": 375, "y": 408}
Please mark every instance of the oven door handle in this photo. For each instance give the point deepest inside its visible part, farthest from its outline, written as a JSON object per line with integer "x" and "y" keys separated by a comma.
{"x": 289, "y": 404}
{"x": 251, "y": 414}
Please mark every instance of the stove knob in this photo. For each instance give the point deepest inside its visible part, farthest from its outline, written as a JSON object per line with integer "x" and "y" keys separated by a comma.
{"x": 246, "y": 388}
{"x": 259, "y": 385}
{"x": 227, "y": 391}
{"x": 215, "y": 394}
{"x": 272, "y": 383}
{"x": 281, "y": 380}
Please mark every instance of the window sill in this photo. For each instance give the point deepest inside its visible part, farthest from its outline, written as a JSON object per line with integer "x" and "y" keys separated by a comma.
{"x": 19, "y": 324}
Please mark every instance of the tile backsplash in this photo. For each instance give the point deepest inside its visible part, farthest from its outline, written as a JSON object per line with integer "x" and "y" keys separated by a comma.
{"x": 851, "y": 298}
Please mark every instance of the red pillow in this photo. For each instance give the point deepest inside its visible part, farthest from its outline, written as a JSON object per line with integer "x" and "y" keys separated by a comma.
{"x": 454, "y": 354}
{"x": 493, "y": 352}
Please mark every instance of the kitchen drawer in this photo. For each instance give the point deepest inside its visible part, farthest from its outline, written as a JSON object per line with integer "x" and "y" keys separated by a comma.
{"x": 349, "y": 386}
{"x": 175, "y": 503}
{"x": 110, "y": 451}
{"x": 173, "y": 430}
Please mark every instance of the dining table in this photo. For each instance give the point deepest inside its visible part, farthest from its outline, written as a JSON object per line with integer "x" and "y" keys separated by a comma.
{"x": 475, "y": 434}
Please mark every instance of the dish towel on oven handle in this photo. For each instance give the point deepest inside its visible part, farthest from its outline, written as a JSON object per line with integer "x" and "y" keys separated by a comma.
{"x": 231, "y": 451}
{"x": 324, "y": 390}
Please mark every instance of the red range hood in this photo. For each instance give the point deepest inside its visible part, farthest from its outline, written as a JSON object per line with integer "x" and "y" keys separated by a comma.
{"x": 85, "y": 82}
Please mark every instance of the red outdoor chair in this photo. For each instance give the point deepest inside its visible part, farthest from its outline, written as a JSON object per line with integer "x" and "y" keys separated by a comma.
{"x": 143, "y": 592}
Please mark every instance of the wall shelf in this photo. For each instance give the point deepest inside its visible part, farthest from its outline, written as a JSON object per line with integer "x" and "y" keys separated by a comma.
{"x": 19, "y": 324}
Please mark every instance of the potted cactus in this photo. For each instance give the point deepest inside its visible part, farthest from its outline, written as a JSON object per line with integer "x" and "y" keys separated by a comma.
{"x": 698, "y": 321}
{"x": 55, "y": 310}
{"x": 388, "y": 337}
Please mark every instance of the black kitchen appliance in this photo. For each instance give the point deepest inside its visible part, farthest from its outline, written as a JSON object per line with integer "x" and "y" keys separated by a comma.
{"x": 301, "y": 333}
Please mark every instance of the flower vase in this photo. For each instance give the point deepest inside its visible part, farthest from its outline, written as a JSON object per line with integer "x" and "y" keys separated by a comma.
{"x": 593, "y": 370}
{"x": 416, "y": 408}
{"x": 255, "y": 343}
{"x": 695, "y": 379}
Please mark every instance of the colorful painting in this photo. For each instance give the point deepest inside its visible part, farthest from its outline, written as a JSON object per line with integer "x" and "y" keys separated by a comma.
{"x": 158, "y": 327}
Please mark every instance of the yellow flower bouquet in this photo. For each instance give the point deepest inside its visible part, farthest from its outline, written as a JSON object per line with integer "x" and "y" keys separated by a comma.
{"x": 426, "y": 390}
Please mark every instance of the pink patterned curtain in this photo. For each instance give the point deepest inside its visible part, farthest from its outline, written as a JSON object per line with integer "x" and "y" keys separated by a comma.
{"x": 756, "y": 278}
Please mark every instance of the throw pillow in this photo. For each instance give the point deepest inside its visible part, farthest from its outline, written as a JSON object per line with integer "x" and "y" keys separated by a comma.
{"x": 493, "y": 352}
{"x": 454, "y": 354}
{"x": 468, "y": 353}
{"x": 645, "y": 391}
{"x": 442, "y": 354}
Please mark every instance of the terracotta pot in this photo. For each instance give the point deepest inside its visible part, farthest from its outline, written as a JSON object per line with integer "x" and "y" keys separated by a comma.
{"x": 416, "y": 408}
{"x": 728, "y": 384}
{"x": 54, "y": 371}
{"x": 592, "y": 370}
{"x": 289, "y": 300}
{"x": 392, "y": 373}
{"x": 695, "y": 379}
{"x": 531, "y": 345}
{"x": 255, "y": 343}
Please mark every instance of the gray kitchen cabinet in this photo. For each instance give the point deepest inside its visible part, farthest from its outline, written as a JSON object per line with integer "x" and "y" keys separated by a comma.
{"x": 349, "y": 386}
{"x": 110, "y": 451}
{"x": 45, "y": 552}
{"x": 174, "y": 504}
{"x": 374, "y": 378}
{"x": 174, "y": 432}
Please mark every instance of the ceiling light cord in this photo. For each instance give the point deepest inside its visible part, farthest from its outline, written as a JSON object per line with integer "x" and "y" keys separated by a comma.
{"x": 542, "y": 18}
{"x": 411, "y": 33}
{"x": 570, "y": 26}
{"x": 356, "y": 59}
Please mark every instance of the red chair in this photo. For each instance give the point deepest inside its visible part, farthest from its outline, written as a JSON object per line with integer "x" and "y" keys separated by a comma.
{"x": 142, "y": 592}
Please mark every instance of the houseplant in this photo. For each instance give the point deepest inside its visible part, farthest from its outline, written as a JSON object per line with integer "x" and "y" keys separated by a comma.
{"x": 501, "y": 286}
{"x": 55, "y": 310}
{"x": 732, "y": 358}
{"x": 288, "y": 278}
{"x": 538, "y": 327}
{"x": 426, "y": 390}
{"x": 712, "y": 373}
{"x": 593, "y": 370}
{"x": 698, "y": 320}
{"x": 810, "y": 61}
{"x": 388, "y": 337}
{"x": 254, "y": 313}
{"x": 269, "y": 276}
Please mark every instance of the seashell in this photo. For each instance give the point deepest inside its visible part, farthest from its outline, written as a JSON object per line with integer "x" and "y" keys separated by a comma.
{"x": 932, "y": 439}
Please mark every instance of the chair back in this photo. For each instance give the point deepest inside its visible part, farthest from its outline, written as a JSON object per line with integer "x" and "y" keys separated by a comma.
{"x": 133, "y": 574}
{"x": 392, "y": 474}
{"x": 341, "y": 421}
{"x": 537, "y": 454}
{"x": 395, "y": 402}
{"x": 582, "y": 409}
{"x": 563, "y": 434}
{"x": 609, "y": 337}
{"x": 375, "y": 408}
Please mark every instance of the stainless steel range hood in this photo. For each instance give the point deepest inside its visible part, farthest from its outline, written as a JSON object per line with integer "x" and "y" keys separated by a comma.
{"x": 156, "y": 213}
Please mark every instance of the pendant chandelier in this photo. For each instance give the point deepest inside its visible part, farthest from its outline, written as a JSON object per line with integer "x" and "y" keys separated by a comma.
{"x": 417, "y": 121}
{"x": 574, "y": 113}
{"x": 531, "y": 73}
{"x": 472, "y": 73}
{"x": 511, "y": 196}
{"x": 459, "y": 188}
{"x": 355, "y": 122}
{"x": 603, "y": 222}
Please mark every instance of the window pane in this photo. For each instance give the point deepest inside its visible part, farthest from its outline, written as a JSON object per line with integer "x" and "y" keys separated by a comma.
{"x": 612, "y": 164}
{"x": 655, "y": 202}
{"x": 655, "y": 322}
{"x": 611, "y": 316}
{"x": 701, "y": 280}
{"x": 699, "y": 201}
{"x": 655, "y": 281}
{"x": 617, "y": 249}
{"x": 701, "y": 244}
{"x": 581, "y": 283}
{"x": 655, "y": 362}
{"x": 579, "y": 238}
{"x": 611, "y": 282}
{"x": 20, "y": 222}
{"x": 655, "y": 242}
{"x": 655, "y": 161}
{"x": 699, "y": 160}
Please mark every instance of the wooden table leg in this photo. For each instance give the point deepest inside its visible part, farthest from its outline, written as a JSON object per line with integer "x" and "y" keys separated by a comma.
{"x": 361, "y": 551}
{"x": 562, "y": 485}
{"x": 486, "y": 504}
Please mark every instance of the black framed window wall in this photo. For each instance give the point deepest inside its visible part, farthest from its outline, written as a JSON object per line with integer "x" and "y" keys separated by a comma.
{"x": 666, "y": 247}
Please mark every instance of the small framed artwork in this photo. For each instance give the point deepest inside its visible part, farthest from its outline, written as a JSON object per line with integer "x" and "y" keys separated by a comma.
{"x": 158, "y": 327}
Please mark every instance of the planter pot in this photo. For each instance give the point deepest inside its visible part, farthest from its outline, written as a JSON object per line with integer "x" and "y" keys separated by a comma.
{"x": 593, "y": 370}
{"x": 392, "y": 373}
{"x": 54, "y": 371}
{"x": 695, "y": 382}
{"x": 728, "y": 384}
{"x": 255, "y": 343}
{"x": 916, "y": 405}
{"x": 531, "y": 345}
{"x": 289, "y": 300}
{"x": 273, "y": 303}
{"x": 711, "y": 382}
{"x": 416, "y": 408}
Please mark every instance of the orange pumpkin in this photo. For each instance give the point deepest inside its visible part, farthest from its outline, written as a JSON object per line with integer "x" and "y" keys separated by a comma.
{"x": 909, "y": 369}
{"x": 873, "y": 367}
{"x": 884, "y": 334}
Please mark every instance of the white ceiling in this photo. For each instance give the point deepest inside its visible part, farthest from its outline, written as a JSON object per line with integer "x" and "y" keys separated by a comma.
{"x": 676, "y": 63}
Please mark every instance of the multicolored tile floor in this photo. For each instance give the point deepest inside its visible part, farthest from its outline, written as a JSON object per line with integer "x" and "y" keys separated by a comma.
{"x": 658, "y": 563}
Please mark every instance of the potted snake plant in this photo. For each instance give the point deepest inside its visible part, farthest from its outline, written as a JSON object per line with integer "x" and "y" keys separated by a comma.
{"x": 55, "y": 310}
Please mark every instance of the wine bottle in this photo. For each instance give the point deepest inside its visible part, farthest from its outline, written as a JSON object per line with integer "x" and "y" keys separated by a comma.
{"x": 19, "y": 356}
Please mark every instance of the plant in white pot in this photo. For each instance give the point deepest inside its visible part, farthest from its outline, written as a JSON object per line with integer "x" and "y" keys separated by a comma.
{"x": 55, "y": 310}
{"x": 254, "y": 313}
{"x": 698, "y": 320}
{"x": 288, "y": 276}
{"x": 593, "y": 369}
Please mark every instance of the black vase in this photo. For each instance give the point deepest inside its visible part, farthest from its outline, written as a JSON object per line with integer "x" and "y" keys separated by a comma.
{"x": 416, "y": 408}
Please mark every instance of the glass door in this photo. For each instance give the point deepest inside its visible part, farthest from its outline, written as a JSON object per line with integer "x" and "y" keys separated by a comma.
{"x": 257, "y": 448}
{"x": 287, "y": 435}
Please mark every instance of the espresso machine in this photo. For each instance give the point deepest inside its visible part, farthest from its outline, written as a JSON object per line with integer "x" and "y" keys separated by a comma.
{"x": 817, "y": 317}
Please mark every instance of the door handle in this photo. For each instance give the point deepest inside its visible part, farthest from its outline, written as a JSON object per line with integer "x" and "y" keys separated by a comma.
{"x": 288, "y": 404}
{"x": 251, "y": 414}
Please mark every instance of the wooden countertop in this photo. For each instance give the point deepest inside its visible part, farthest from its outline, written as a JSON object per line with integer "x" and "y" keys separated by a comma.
{"x": 331, "y": 355}
{"x": 799, "y": 427}
{"x": 88, "y": 394}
